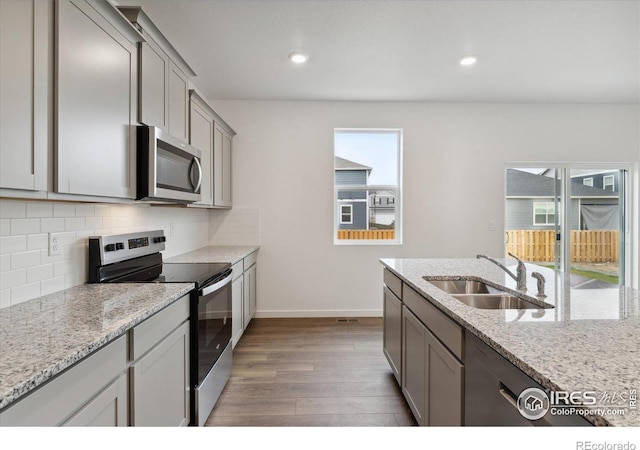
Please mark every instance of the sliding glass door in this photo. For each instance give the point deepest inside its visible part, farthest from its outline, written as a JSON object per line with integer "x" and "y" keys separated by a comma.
{"x": 568, "y": 218}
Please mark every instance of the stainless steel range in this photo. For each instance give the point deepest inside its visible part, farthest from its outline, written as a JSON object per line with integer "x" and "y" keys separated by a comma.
{"x": 136, "y": 258}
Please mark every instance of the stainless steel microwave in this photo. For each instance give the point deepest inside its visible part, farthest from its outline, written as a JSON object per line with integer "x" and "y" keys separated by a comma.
{"x": 168, "y": 170}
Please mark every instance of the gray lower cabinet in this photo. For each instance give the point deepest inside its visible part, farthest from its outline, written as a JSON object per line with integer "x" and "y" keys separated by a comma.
{"x": 89, "y": 393}
{"x": 26, "y": 53}
{"x": 159, "y": 370}
{"x": 249, "y": 294}
{"x": 243, "y": 294}
{"x": 392, "y": 332}
{"x": 96, "y": 100}
{"x": 432, "y": 377}
{"x": 237, "y": 299}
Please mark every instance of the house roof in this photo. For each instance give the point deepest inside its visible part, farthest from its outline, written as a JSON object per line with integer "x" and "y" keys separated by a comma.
{"x": 345, "y": 164}
{"x": 525, "y": 184}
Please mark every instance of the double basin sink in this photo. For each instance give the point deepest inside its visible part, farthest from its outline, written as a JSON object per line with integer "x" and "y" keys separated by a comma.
{"x": 484, "y": 296}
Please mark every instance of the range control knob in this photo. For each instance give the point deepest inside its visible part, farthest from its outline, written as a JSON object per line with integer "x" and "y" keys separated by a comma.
{"x": 119, "y": 245}
{"x": 159, "y": 239}
{"x": 109, "y": 247}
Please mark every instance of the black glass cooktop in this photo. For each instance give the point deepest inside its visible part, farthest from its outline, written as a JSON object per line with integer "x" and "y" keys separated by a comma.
{"x": 200, "y": 273}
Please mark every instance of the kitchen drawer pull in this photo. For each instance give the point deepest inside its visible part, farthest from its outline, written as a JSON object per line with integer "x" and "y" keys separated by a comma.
{"x": 508, "y": 395}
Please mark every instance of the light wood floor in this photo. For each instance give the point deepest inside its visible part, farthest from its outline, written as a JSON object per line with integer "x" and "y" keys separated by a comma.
{"x": 311, "y": 372}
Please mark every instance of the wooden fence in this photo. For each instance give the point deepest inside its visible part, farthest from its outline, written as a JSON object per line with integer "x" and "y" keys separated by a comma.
{"x": 366, "y": 234}
{"x": 586, "y": 246}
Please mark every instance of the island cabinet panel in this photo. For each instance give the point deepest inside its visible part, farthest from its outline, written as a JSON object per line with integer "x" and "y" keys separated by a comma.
{"x": 74, "y": 394}
{"x": 392, "y": 332}
{"x": 414, "y": 377}
{"x": 26, "y": 55}
{"x": 96, "y": 100}
{"x": 444, "y": 385}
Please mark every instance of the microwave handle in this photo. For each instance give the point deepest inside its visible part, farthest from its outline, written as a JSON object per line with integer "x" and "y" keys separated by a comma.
{"x": 197, "y": 186}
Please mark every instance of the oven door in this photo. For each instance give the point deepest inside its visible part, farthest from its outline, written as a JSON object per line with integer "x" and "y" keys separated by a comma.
{"x": 211, "y": 358}
{"x": 168, "y": 169}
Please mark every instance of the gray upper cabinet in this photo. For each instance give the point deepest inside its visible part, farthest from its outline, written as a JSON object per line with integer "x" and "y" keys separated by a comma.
{"x": 96, "y": 101}
{"x": 222, "y": 166}
{"x": 201, "y": 137}
{"x": 163, "y": 79}
{"x": 26, "y": 71}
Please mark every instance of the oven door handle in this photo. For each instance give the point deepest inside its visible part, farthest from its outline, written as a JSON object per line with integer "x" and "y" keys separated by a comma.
{"x": 214, "y": 287}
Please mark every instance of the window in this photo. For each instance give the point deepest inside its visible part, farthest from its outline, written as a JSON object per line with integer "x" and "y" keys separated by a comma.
{"x": 544, "y": 213}
{"x": 608, "y": 183}
{"x": 346, "y": 214}
{"x": 367, "y": 186}
{"x": 588, "y": 182}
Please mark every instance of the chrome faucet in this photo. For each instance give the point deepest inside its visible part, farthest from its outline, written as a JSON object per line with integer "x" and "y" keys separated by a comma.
{"x": 538, "y": 276}
{"x": 520, "y": 278}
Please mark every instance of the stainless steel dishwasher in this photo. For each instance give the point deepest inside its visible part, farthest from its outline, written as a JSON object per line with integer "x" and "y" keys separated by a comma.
{"x": 492, "y": 386}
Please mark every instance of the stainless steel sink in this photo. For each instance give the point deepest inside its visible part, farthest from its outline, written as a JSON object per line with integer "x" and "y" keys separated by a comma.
{"x": 497, "y": 301}
{"x": 464, "y": 287}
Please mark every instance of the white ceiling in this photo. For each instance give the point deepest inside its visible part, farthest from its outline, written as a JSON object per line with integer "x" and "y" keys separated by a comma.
{"x": 528, "y": 51}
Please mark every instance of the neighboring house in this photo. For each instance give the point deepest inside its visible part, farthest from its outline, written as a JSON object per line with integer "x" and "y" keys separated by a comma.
{"x": 529, "y": 202}
{"x": 382, "y": 208}
{"x": 352, "y": 205}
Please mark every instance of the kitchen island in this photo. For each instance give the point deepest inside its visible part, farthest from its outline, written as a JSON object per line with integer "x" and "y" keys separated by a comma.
{"x": 588, "y": 341}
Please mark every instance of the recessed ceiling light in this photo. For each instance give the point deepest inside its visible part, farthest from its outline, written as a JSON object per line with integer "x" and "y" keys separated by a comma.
{"x": 298, "y": 58}
{"x": 468, "y": 61}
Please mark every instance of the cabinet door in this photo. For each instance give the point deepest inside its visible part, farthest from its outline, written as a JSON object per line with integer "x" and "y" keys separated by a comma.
{"x": 96, "y": 103}
{"x": 201, "y": 137}
{"x": 392, "y": 333}
{"x": 178, "y": 102}
{"x": 237, "y": 322}
{"x": 413, "y": 364}
{"x": 160, "y": 383}
{"x": 444, "y": 385}
{"x": 221, "y": 168}
{"x": 249, "y": 299}
{"x": 154, "y": 85}
{"x": 107, "y": 409}
{"x": 26, "y": 53}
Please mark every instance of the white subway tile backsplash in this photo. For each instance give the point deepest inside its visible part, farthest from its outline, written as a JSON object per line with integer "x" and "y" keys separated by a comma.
{"x": 62, "y": 268}
{"x": 75, "y": 279}
{"x": 46, "y": 259}
{"x": 5, "y": 262}
{"x": 102, "y": 210}
{"x": 13, "y": 278}
{"x": 74, "y": 224}
{"x": 12, "y": 244}
{"x": 52, "y": 285}
{"x": 37, "y": 241}
{"x": 5, "y": 298}
{"x": 39, "y": 210}
{"x": 25, "y": 226}
{"x": 5, "y": 227}
{"x": 93, "y": 223}
{"x": 39, "y": 273}
{"x": 51, "y": 225}
{"x": 22, "y": 260}
{"x": 25, "y": 292}
{"x": 11, "y": 209}
{"x": 64, "y": 210}
{"x": 85, "y": 210}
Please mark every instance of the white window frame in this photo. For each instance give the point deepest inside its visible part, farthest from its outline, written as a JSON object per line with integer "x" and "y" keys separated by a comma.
{"x": 612, "y": 184}
{"x": 341, "y": 213}
{"x": 394, "y": 188}
{"x": 546, "y": 214}
{"x": 588, "y": 181}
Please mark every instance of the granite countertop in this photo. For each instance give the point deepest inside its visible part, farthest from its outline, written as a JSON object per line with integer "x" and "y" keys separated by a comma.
{"x": 41, "y": 337}
{"x": 589, "y": 341}
{"x": 215, "y": 254}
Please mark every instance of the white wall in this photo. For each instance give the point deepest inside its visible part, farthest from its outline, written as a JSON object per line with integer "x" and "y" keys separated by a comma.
{"x": 26, "y": 269}
{"x": 454, "y": 157}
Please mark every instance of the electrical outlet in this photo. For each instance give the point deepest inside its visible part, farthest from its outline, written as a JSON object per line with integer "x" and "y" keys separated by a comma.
{"x": 55, "y": 247}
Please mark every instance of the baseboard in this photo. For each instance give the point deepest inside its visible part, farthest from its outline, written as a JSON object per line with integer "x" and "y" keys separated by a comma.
{"x": 319, "y": 313}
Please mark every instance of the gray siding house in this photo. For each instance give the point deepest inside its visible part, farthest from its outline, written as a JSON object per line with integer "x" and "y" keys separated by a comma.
{"x": 352, "y": 205}
{"x": 529, "y": 203}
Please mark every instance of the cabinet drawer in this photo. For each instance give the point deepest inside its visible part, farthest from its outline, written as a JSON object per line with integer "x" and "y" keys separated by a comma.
{"x": 55, "y": 401}
{"x": 155, "y": 328}
{"x": 445, "y": 329}
{"x": 393, "y": 283}
{"x": 250, "y": 260}
{"x": 238, "y": 270}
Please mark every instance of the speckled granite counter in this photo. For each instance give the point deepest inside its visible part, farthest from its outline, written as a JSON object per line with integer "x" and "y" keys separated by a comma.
{"x": 42, "y": 337}
{"x": 215, "y": 253}
{"x": 589, "y": 341}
